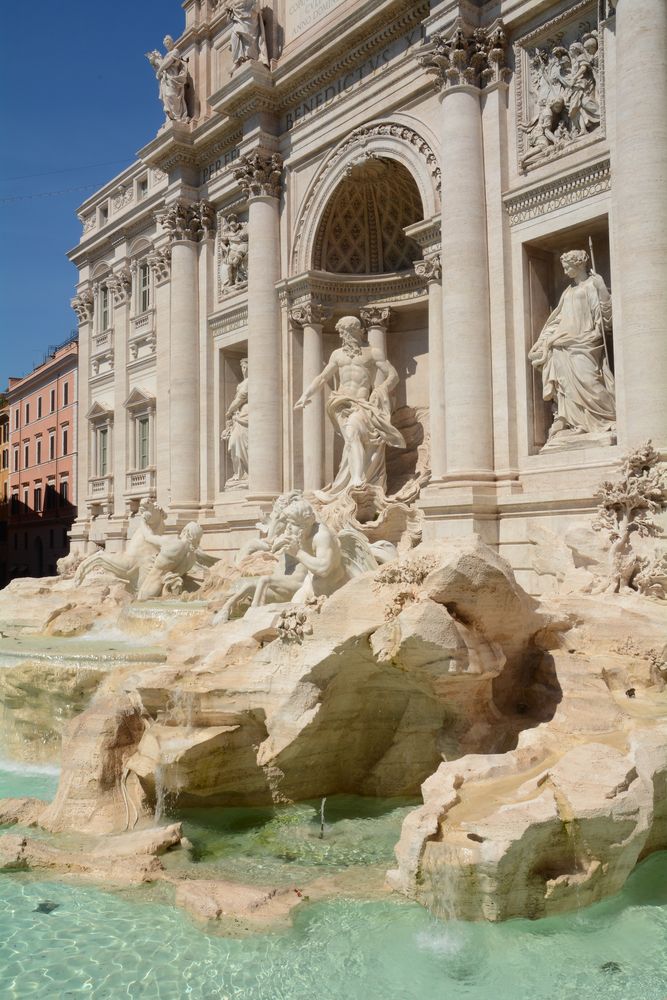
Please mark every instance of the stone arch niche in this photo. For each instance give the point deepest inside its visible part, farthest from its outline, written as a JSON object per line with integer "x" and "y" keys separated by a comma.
{"x": 352, "y": 255}
{"x": 362, "y": 230}
{"x": 396, "y": 144}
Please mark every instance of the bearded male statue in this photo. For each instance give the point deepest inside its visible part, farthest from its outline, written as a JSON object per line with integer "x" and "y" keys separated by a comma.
{"x": 359, "y": 408}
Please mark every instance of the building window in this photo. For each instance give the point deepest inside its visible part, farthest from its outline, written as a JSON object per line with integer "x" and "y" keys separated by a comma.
{"x": 143, "y": 442}
{"x": 65, "y": 393}
{"x": 5, "y": 458}
{"x": 104, "y": 215}
{"x": 26, "y": 456}
{"x": 38, "y": 451}
{"x": 5, "y": 432}
{"x": 16, "y": 460}
{"x": 104, "y": 309}
{"x": 16, "y": 417}
{"x": 64, "y": 491}
{"x": 52, "y": 446}
{"x": 65, "y": 441}
{"x": 103, "y": 451}
{"x": 37, "y": 495}
{"x": 26, "y": 497}
{"x": 142, "y": 188}
{"x": 144, "y": 288}
{"x": 39, "y": 407}
{"x": 52, "y": 400}
{"x": 15, "y": 505}
{"x": 27, "y": 413}
{"x": 50, "y": 496}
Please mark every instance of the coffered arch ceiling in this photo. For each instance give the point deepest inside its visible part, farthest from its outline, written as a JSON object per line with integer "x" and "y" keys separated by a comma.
{"x": 361, "y": 230}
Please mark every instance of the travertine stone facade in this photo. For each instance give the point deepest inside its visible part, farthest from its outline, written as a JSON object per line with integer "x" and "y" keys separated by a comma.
{"x": 423, "y": 167}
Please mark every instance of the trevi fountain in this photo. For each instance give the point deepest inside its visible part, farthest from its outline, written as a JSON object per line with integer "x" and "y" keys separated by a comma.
{"x": 328, "y": 737}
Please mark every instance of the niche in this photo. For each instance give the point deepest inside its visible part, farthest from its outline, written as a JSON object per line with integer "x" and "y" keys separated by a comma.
{"x": 545, "y": 282}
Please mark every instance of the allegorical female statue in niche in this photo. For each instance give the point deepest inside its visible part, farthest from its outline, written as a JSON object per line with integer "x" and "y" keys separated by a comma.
{"x": 572, "y": 354}
{"x": 236, "y": 429}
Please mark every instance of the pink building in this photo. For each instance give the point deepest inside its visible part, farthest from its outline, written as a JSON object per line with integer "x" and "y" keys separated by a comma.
{"x": 42, "y": 460}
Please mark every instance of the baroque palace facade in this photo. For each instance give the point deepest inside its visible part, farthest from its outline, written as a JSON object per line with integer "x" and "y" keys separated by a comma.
{"x": 481, "y": 184}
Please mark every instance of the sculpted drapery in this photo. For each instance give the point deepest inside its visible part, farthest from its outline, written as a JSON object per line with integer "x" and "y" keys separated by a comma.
{"x": 572, "y": 355}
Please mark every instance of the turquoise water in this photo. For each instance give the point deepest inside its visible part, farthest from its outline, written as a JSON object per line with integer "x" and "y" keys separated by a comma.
{"x": 110, "y": 947}
{"x": 38, "y": 781}
{"x": 282, "y": 846}
{"x": 102, "y": 946}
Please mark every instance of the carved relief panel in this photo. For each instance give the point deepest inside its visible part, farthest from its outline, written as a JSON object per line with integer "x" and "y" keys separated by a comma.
{"x": 560, "y": 86}
{"x": 231, "y": 254}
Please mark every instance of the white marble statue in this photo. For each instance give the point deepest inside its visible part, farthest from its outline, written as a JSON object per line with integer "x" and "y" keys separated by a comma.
{"x": 359, "y": 408}
{"x": 572, "y": 353}
{"x": 171, "y": 71}
{"x": 315, "y": 560}
{"x": 132, "y": 565}
{"x": 236, "y": 429}
{"x": 248, "y": 33}
{"x": 233, "y": 236}
{"x": 173, "y": 561}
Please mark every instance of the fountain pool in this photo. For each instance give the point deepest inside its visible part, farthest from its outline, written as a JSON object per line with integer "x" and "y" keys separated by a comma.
{"x": 105, "y": 947}
{"x": 38, "y": 781}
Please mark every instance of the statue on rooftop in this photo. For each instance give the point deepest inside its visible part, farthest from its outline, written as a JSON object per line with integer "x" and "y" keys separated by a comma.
{"x": 248, "y": 33}
{"x": 171, "y": 71}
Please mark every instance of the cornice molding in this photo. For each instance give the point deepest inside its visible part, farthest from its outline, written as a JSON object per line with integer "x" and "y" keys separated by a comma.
{"x": 559, "y": 192}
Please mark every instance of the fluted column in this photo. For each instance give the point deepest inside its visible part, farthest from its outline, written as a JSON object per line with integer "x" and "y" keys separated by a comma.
{"x": 120, "y": 286}
{"x": 311, "y": 318}
{"x": 259, "y": 174}
{"x": 430, "y": 271}
{"x": 376, "y": 320}
{"x": 639, "y": 172}
{"x": 83, "y": 304}
{"x": 463, "y": 59}
{"x": 185, "y": 224}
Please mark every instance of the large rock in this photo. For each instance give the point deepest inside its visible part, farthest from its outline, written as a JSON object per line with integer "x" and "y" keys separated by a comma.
{"x": 560, "y": 821}
{"x": 396, "y": 670}
{"x": 95, "y": 793}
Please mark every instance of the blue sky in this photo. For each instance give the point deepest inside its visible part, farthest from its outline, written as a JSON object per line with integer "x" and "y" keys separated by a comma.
{"x": 78, "y": 93}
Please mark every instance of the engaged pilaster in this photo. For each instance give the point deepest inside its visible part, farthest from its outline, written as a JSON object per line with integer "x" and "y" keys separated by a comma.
{"x": 464, "y": 60}
{"x": 430, "y": 271}
{"x": 311, "y": 318}
{"x": 186, "y": 225}
{"x": 259, "y": 176}
{"x": 639, "y": 170}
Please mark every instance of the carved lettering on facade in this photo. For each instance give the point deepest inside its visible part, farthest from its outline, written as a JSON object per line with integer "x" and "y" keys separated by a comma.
{"x": 303, "y": 14}
{"x": 350, "y": 81}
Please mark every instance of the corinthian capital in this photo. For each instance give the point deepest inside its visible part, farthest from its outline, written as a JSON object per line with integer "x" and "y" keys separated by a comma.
{"x": 310, "y": 314}
{"x": 159, "y": 262}
{"x": 429, "y": 270}
{"x": 121, "y": 286}
{"x": 186, "y": 221}
{"x": 467, "y": 55}
{"x": 83, "y": 305}
{"x": 259, "y": 173}
{"x": 375, "y": 316}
